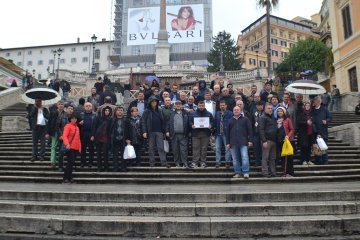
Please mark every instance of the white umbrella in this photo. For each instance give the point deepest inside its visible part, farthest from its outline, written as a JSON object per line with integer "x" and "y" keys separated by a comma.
{"x": 48, "y": 96}
{"x": 306, "y": 87}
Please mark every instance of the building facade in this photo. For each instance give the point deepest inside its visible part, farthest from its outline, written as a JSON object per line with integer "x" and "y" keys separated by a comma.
{"x": 345, "y": 31}
{"x": 284, "y": 35}
{"x": 78, "y": 57}
{"x": 142, "y": 53}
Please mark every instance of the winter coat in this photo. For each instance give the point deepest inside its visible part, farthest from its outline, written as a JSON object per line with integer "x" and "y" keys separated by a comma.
{"x": 69, "y": 130}
{"x": 267, "y": 128}
{"x": 198, "y": 113}
{"x": 318, "y": 127}
{"x": 302, "y": 129}
{"x": 239, "y": 132}
{"x": 226, "y": 117}
{"x": 146, "y": 119}
{"x": 186, "y": 123}
{"x": 133, "y": 130}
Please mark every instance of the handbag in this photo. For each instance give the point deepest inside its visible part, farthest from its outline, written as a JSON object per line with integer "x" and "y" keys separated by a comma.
{"x": 322, "y": 145}
{"x": 166, "y": 146}
{"x": 316, "y": 150}
{"x": 63, "y": 148}
{"x": 287, "y": 148}
{"x": 129, "y": 152}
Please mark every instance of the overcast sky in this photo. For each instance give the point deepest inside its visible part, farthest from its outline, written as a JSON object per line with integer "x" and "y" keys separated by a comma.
{"x": 45, "y": 22}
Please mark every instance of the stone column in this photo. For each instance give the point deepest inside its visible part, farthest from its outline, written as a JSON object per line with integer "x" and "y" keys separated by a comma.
{"x": 162, "y": 47}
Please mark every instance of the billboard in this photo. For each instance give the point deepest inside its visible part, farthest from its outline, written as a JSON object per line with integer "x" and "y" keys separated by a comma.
{"x": 184, "y": 23}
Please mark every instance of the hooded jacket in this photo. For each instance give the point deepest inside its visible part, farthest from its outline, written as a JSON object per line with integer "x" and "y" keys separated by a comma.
{"x": 146, "y": 119}
{"x": 202, "y": 90}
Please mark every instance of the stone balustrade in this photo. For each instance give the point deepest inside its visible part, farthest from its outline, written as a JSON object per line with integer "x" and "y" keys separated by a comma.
{"x": 10, "y": 96}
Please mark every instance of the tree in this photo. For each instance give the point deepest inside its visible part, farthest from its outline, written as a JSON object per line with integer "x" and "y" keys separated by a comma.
{"x": 269, "y": 5}
{"x": 225, "y": 44}
{"x": 307, "y": 54}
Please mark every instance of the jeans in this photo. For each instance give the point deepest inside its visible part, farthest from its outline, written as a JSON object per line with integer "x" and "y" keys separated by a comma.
{"x": 38, "y": 133}
{"x": 87, "y": 144}
{"x": 268, "y": 159}
{"x": 220, "y": 142}
{"x": 71, "y": 156}
{"x": 118, "y": 147}
{"x": 257, "y": 150}
{"x": 237, "y": 152}
{"x": 54, "y": 146}
{"x": 334, "y": 101}
{"x": 102, "y": 156}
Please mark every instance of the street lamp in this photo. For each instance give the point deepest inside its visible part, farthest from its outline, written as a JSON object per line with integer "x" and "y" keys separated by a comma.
{"x": 59, "y": 51}
{"x": 221, "y": 39}
{"x": 54, "y": 51}
{"x": 93, "y": 40}
{"x": 33, "y": 71}
{"x": 256, "y": 49}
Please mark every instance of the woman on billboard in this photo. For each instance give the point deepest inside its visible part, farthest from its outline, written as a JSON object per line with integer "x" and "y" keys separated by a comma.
{"x": 184, "y": 21}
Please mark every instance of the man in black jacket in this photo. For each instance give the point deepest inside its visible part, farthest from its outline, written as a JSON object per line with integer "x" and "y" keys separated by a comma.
{"x": 178, "y": 129}
{"x": 87, "y": 134}
{"x": 53, "y": 130}
{"x": 107, "y": 92}
{"x": 117, "y": 130}
{"x": 200, "y": 136}
{"x": 153, "y": 128}
{"x": 267, "y": 131}
{"x": 39, "y": 117}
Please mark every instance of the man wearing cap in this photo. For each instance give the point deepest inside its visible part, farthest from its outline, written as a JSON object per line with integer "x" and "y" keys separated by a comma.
{"x": 178, "y": 130}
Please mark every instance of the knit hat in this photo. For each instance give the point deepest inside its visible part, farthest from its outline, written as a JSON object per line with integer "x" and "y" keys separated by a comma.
{"x": 282, "y": 108}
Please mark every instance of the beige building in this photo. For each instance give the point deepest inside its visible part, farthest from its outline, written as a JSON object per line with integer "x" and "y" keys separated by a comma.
{"x": 345, "y": 30}
{"x": 284, "y": 35}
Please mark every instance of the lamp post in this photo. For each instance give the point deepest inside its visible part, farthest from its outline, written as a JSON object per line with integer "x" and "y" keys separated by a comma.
{"x": 59, "y": 51}
{"x": 54, "y": 51}
{"x": 138, "y": 58}
{"x": 256, "y": 48}
{"x": 33, "y": 71}
{"x": 221, "y": 39}
{"x": 93, "y": 40}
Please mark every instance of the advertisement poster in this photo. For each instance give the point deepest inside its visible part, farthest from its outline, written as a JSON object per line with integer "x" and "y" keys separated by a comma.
{"x": 184, "y": 23}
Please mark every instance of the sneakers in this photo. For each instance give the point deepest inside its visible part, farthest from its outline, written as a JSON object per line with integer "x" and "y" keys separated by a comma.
{"x": 246, "y": 176}
{"x": 203, "y": 165}
{"x": 236, "y": 176}
{"x": 310, "y": 163}
{"x": 194, "y": 165}
{"x": 305, "y": 163}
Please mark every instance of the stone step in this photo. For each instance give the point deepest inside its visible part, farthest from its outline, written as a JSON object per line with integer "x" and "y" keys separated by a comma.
{"x": 176, "y": 180}
{"x": 181, "y": 209}
{"x": 180, "y": 226}
{"x": 47, "y": 166}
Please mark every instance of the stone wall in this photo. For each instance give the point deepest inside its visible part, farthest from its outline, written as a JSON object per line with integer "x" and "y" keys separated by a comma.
{"x": 348, "y": 101}
{"x": 10, "y": 97}
{"x": 14, "y": 124}
{"x": 349, "y": 133}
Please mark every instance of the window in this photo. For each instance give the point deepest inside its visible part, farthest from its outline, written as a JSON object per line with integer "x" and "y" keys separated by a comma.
{"x": 292, "y": 45}
{"x": 19, "y": 64}
{"x": 39, "y": 76}
{"x": 29, "y": 52}
{"x": 85, "y": 59}
{"x": 73, "y": 60}
{"x": 97, "y": 67}
{"x": 84, "y": 49}
{"x": 19, "y": 53}
{"x": 291, "y": 36}
{"x": 273, "y": 32}
{"x": 252, "y": 61}
{"x": 275, "y": 65}
{"x": 282, "y": 34}
{"x": 274, "y": 41}
{"x": 40, "y": 62}
{"x": 62, "y": 61}
{"x": 353, "y": 80}
{"x": 29, "y": 63}
{"x": 51, "y": 61}
{"x": 284, "y": 54}
{"x": 299, "y": 37}
{"x": 262, "y": 63}
{"x": 274, "y": 53}
{"x": 97, "y": 54}
{"x": 8, "y": 54}
{"x": 346, "y": 17}
{"x": 284, "y": 43}
{"x": 73, "y": 49}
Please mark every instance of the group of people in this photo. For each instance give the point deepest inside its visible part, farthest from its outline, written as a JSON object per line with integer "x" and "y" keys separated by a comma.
{"x": 169, "y": 120}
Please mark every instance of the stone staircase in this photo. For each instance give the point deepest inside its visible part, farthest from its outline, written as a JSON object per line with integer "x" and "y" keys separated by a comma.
{"x": 178, "y": 203}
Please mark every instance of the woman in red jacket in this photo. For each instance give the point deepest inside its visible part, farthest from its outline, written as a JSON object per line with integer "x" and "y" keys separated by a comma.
{"x": 285, "y": 130}
{"x": 71, "y": 140}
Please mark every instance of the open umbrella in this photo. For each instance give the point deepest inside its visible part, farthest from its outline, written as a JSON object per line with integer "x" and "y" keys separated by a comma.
{"x": 48, "y": 96}
{"x": 151, "y": 78}
{"x": 306, "y": 87}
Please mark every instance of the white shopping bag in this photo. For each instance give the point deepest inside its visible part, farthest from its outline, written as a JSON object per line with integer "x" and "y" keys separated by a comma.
{"x": 129, "y": 152}
{"x": 166, "y": 146}
{"x": 322, "y": 145}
